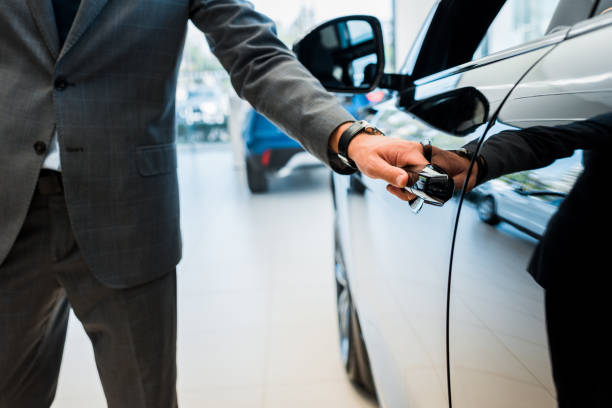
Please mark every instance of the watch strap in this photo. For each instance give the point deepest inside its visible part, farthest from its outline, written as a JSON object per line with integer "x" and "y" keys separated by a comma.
{"x": 427, "y": 149}
{"x": 349, "y": 134}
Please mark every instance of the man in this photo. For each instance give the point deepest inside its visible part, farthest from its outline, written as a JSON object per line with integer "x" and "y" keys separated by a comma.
{"x": 89, "y": 216}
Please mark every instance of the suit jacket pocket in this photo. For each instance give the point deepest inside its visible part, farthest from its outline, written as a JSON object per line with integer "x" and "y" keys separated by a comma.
{"x": 156, "y": 159}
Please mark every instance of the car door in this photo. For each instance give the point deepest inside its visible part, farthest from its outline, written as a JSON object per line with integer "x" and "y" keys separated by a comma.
{"x": 498, "y": 345}
{"x": 399, "y": 261}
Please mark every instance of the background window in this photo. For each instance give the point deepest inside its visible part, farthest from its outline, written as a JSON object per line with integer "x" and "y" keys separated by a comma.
{"x": 518, "y": 22}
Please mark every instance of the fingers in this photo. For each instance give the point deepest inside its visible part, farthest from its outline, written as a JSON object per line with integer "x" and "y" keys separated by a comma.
{"x": 383, "y": 158}
{"x": 408, "y": 156}
{"x": 459, "y": 180}
{"x": 393, "y": 175}
{"x": 452, "y": 163}
{"x": 400, "y": 193}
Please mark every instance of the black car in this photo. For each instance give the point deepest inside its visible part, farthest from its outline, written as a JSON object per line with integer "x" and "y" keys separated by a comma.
{"x": 408, "y": 332}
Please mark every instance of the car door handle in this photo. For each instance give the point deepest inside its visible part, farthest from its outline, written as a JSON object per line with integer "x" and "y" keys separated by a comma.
{"x": 416, "y": 204}
{"x": 433, "y": 186}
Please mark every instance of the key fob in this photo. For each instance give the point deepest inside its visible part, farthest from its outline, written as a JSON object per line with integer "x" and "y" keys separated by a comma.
{"x": 433, "y": 186}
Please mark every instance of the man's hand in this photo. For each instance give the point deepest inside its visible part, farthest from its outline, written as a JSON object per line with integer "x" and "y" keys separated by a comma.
{"x": 382, "y": 157}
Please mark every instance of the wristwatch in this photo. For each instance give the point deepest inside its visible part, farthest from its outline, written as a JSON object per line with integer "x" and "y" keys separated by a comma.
{"x": 361, "y": 126}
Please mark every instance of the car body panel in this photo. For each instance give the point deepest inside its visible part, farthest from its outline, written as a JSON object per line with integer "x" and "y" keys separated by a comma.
{"x": 558, "y": 91}
{"x": 406, "y": 270}
{"x": 497, "y": 335}
{"x": 399, "y": 263}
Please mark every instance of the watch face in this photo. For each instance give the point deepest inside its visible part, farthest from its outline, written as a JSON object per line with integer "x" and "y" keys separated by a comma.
{"x": 371, "y": 130}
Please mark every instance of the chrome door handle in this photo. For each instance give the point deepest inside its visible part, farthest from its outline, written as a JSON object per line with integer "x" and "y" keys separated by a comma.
{"x": 416, "y": 204}
{"x": 433, "y": 186}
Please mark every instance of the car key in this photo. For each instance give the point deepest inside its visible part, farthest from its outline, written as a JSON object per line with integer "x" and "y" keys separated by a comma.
{"x": 433, "y": 186}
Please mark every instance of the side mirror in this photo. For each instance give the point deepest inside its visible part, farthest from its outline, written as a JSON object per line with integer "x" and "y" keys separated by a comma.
{"x": 345, "y": 54}
{"x": 458, "y": 112}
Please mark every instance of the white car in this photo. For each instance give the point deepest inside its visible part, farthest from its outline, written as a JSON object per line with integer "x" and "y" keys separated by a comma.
{"x": 527, "y": 210}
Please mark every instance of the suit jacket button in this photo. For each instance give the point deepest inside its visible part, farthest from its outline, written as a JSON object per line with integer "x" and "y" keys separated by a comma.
{"x": 61, "y": 84}
{"x": 40, "y": 147}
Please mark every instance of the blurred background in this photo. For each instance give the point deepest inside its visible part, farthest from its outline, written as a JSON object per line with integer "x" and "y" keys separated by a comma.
{"x": 257, "y": 316}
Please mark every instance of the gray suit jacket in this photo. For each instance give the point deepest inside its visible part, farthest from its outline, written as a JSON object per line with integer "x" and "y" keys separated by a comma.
{"x": 115, "y": 119}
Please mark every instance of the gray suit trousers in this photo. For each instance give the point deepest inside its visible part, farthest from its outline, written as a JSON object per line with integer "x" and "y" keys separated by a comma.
{"x": 133, "y": 331}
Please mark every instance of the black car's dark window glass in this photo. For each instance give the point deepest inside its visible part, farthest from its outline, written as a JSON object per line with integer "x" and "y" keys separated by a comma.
{"x": 518, "y": 22}
{"x": 452, "y": 36}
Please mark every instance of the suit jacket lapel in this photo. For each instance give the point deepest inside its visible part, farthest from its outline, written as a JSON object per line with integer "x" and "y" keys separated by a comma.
{"x": 88, "y": 11}
{"x": 42, "y": 11}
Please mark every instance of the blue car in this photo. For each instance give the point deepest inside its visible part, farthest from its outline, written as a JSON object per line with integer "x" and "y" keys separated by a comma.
{"x": 268, "y": 149}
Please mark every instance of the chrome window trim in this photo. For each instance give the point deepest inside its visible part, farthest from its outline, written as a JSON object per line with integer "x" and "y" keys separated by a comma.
{"x": 546, "y": 41}
{"x": 553, "y": 38}
{"x": 589, "y": 25}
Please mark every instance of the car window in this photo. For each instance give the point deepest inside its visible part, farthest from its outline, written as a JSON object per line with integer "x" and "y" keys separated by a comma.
{"x": 518, "y": 22}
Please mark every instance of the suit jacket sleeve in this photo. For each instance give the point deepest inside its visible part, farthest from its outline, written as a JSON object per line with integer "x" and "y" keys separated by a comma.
{"x": 265, "y": 73}
{"x": 539, "y": 146}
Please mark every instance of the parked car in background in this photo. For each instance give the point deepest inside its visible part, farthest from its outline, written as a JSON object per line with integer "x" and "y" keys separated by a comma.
{"x": 268, "y": 149}
{"x": 527, "y": 210}
{"x": 527, "y": 200}
{"x": 436, "y": 309}
{"x": 202, "y": 115}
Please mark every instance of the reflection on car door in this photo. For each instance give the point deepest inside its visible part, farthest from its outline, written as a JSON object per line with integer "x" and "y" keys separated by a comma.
{"x": 399, "y": 261}
{"x": 540, "y": 209}
{"x": 497, "y": 330}
{"x": 530, "y": 211}
{"x": 529, "y": 205}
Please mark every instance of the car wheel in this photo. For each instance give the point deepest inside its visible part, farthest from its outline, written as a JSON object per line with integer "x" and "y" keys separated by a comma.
{"x": 487, "y": 212}
{"x": 353, "y": 352}
{"x": 256, "y": 178}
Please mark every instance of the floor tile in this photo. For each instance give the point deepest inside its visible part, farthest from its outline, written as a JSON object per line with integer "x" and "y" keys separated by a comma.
{"x": 223, "y": 397}
{"x": 221, "y": 359}
{"x": 302, "y": 354}
{"x": 336, "y": 394}
{"x": 256, "y": 297}
{"x": 214, "y": 311}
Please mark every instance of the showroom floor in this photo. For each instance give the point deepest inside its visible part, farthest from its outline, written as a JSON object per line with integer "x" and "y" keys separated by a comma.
{"x": 256, "y": 308}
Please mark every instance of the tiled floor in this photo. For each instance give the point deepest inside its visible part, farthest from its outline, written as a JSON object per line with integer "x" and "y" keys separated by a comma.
{"x": 257, "y": 325}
